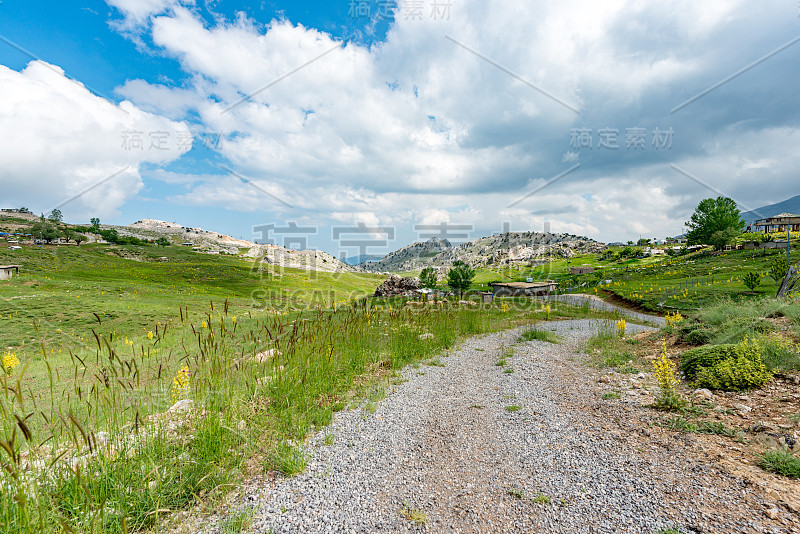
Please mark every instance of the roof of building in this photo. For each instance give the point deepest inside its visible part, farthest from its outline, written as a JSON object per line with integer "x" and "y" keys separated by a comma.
{"x": 10, "y": 266}
{"x": 779, "y": 216}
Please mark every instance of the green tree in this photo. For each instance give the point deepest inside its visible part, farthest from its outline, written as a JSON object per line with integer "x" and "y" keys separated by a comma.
{"x": 642, "y": 242}
{"x": 45, "y": 230}
{"x": 56, "y": 216}
{"x": 95, "y": 222}
{"x": 720, "y": 238}
{"x": 79, "y": 238}
{"x": 428, "y": 278}
{"x": 163, "y": 242}
{"x": 778, "y": 269}
{"x": 460, "y": 277}
{"x": 711, "y": 216}
{"x": 752, "y": 280}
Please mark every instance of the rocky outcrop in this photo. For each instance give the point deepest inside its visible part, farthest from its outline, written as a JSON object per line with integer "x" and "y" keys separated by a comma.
{"x": 410, "y": 258}
{"x": 309, "y": 260}
{"x": 396, "y": 285}
{"x": 503, "y": 249}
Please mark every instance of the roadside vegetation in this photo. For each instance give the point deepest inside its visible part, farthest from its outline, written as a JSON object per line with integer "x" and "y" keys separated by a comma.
{"x": 132, "y": 389}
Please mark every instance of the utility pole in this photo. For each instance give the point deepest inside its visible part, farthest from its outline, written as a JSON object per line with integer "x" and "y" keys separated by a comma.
{"x": 788, "y": 228}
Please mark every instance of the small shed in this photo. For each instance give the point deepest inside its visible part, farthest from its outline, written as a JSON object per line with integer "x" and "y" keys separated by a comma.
{"x": 583, "y": 269}
{"x": 7, "y": 271}
{"x": 523, "y": 289}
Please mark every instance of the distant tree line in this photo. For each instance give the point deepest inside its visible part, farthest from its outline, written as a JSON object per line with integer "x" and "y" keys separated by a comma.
{"x": 50, "y": 228}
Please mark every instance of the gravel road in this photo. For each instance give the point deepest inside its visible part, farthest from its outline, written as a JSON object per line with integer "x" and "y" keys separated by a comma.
{"x": 445, "y": 446}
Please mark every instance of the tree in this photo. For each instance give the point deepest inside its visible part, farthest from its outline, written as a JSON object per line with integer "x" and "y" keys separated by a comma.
{"x": 428, "y": 278}
{"x": 95, "y": 222}
{"x": 55, "y": 216}
{"x": 460, "y": 277}
{"x": 45, "y": 231}
{"x": 79, "y": 238}
{"x": 163, "y": 242}
{"x": 778, "y": 268}
{"x": 112, "y": 236}
{"x": 711, "y": 216}
{"x": 752, "y": 280}
{"x": 720, "y": 238}
{"x": 642, "y": 242}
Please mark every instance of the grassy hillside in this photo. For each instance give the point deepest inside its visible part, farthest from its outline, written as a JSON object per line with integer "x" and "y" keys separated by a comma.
{"x": 677, "y": 282}
{"x": 104, "y": 339}
{"x": 131, "y": 288}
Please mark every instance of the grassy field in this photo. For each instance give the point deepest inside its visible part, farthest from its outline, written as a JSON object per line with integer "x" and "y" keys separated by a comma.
{"x": 675, "y": 282}
{"x": 99, "y": 341}
{"x": 131, "y": 288}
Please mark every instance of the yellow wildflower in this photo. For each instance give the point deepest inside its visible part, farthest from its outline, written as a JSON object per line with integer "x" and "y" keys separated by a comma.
{"x": 150, "y": 334}
{"x": 180, "y": 384}
{"x": 621, "y": 325}
{"x": 665, "y": 371}
{"x": 10, "y": 361}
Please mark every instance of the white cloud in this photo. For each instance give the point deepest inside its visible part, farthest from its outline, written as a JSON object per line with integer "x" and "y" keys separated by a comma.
{"x": 408, "y": 129}
{"x": 62, "y": 142}
{"x": 138, "y": 12}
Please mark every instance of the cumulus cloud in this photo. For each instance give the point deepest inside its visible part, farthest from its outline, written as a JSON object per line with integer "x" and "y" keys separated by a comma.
{"x": 64, "y": 146}
{"x": 453, "y": 116}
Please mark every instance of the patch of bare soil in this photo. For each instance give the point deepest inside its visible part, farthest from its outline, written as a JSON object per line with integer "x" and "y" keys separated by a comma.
{"x": 751, "y": 423}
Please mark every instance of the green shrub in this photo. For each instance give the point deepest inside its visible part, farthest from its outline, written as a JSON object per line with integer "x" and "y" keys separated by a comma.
{"x": 778, "y": 353}
{"x": 782, "y": 462}
{"x": 740, "y": 328}
{"x": 694, "y": 333}
{"x": 732, "y": 367}
{"x": 693, "y": 360}
{"x": 733, "y": 374}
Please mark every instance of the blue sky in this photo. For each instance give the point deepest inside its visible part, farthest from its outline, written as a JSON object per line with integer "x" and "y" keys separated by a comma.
{"x": 459, "y": 112}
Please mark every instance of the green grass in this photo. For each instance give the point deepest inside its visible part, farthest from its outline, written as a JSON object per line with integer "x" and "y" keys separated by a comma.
{"x": 610, "y": 395}
{"x": 685, "y": 425}
{"x": 608, "y": 351}
{"x": 288, "y": 460}
{"x": 238, "y": 522}
{"x": 89, "y": 365}
{"x": 418, "y": 517}
{"x": 513, "y": 408}
{"x": 532, "y": 334}
{"x": 781, "y": 462}
{"x": 501, "y": 362}
{"x": 541, "y": 498}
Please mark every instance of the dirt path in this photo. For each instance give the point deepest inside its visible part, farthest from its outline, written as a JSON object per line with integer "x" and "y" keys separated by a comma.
{"x": 473, "y": 447}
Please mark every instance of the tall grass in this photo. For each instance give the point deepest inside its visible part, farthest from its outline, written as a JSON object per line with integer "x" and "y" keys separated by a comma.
{"x": 92, "y": 447}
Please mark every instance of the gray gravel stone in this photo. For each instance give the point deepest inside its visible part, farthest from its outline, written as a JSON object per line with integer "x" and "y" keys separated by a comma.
{"x": 444, "y": 444}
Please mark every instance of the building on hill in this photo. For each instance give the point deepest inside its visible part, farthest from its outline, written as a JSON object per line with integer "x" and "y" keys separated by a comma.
{"x": 778, "y": 223}
{"x": 7, "y": 271}
{"x": 522, "y": 289}
{"x": 583, "y": 269}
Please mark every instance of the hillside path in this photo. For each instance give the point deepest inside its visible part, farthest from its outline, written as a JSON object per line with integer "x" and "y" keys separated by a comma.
{"x": 445, "y": 445}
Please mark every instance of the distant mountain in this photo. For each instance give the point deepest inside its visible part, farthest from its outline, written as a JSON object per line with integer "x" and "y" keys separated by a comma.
{"x": 409, "y": 258}
{"x": 500, "y": 249}
{"x": 355, "y": 260}
{"x": 791, "y": 205}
